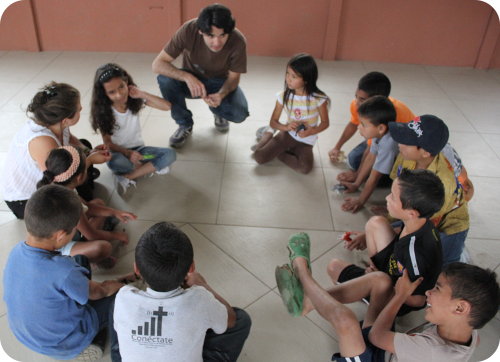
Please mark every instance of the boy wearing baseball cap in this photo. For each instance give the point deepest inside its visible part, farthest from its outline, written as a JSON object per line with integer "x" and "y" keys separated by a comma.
{"x": 421, "y": 142}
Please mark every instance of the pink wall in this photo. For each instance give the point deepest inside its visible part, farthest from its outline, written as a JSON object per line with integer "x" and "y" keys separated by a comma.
{"x": 17, "y": 28}
{"x": 437, "y": 32}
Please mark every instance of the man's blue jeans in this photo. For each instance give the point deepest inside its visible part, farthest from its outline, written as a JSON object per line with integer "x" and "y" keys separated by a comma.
{"x": 234, "y": 106}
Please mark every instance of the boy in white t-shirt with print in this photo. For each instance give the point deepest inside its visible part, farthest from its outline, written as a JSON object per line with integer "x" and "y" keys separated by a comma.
{"x": 178, "y": 317}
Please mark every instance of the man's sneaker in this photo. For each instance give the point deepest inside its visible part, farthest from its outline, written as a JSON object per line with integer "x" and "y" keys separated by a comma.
{"x": 180, "y": 136}
{"x": 123, "y": 183}
{"x": 260, "y": 132}
{"x": 221, "y": 124}
{"x": 163, "y": 171}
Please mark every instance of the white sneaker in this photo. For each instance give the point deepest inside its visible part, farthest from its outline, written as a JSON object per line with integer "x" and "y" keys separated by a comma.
{"x": 163, "y": 171}
{"x": 123, "y": 183}
{"x": 260, "y": 132}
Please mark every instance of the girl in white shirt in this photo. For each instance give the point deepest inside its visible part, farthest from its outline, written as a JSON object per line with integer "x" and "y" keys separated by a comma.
{"x": 116, "y": 102}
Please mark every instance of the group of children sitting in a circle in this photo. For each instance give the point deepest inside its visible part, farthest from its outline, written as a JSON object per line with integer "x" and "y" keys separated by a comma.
{"x": 426, "y": 227}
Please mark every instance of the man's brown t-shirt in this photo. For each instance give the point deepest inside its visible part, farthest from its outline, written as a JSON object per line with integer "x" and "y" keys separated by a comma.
{"x": 203, "y": 62}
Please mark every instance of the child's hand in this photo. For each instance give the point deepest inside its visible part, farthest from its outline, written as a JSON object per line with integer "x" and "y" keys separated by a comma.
{"x": 195, "y": 278}
{"x": 347, "y": 176}
{"x": 125, "y": 216}
{"x": 102, "y": 147}
{"x": 352, "y": 204}
{"x": 356, "y": 240}
{"x": 334, "y": 155}
{"x": 97, "y": 157}
{"x": 135, "y": 157}
{"x": 121, "y": 236}
{"x": 404, "y": 286}
{"x": 292, "y": 126}
{"x": 135, "y": 92}
{"x": 306, "y": 132}
{"x": 350, "y": 187}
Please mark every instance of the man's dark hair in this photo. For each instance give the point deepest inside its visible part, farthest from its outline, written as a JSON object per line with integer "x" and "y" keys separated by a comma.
{"x": 375, "y": 84}
{"x": 477, "y": 286}
{"x": 421, "y": 190}
{"x": 215, "y": 15}
{"x": 50, "y": 209}
{"x": 378, "y": 110}
{"x": 163, "y": 256}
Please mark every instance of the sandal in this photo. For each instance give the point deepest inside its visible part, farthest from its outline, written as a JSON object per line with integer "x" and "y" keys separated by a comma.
{"x": 290, "y": 289}
{"x": 299, "y": 245}
{"x": 107, "y": 263}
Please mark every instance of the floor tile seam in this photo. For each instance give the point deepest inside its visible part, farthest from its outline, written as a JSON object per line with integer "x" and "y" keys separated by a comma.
{"x": 270, "y": 227}
{"x": 452, "y": 99}
{"x": 221, "y": 187}
{"x": 257, "y": 299}
{"x": 31, "y": 79}
{"x": 230, "y": 256}
{"x": 264, "y": 227}
{"x": 328, "y": 197}
{"x": 46, "y": 66}
{"x": 252, "y": 162}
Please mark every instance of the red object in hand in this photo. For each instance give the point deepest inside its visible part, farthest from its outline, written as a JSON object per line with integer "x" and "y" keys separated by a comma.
{"x": 347, "y": 236}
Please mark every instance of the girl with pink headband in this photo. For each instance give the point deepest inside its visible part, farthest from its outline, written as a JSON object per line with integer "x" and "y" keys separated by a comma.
{"x": 66, "y": 166}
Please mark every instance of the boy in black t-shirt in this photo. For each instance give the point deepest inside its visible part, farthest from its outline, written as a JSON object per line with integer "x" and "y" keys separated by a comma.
{"x": 414, "y": 245}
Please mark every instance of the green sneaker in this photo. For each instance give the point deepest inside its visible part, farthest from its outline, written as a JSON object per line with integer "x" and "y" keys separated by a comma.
{"x": 290, "y": 290}
{"x": 300, "y": 245}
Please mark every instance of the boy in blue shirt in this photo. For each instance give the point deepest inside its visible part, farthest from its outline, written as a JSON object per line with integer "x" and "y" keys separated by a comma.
{"x": 52, "y": 305}
{"x": 375, "y": 115}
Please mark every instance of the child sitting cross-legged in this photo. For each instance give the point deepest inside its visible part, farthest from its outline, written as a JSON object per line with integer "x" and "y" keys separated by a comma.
{"x": 53, "y": 306}
{"x": 66, "y": 166}
{"x": 179, "y": 317}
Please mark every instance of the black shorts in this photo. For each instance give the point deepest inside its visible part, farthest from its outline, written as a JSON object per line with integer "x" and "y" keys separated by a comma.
{"x": 371, "y": 353}
{"x": 17, "y": 207}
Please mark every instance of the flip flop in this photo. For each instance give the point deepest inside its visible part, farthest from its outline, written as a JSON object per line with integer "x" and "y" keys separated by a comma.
{"x": 299, "y": 245}
{"x": 290, "y": 289}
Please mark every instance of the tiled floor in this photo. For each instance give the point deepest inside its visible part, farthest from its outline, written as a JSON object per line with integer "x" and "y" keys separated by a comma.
{"x": 239, "y": 214}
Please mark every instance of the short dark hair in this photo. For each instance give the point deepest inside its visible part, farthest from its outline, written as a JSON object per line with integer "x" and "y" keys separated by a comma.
{"x": 421, "y": 190}
{"x": 163, "y": 256}
{"x": 378, "y": 110}
{"x": 477, "y": 286}
{"x": 375, "y": 84}
{"x": 50, "y": 209}
{"x": 215, "y": 15}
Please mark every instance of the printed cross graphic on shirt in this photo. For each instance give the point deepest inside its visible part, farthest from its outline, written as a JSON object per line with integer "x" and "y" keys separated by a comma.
{"x": 149, "y": 327}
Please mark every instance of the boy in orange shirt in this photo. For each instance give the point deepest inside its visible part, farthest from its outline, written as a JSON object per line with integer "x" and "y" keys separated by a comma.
{"x": 371, "y": 84}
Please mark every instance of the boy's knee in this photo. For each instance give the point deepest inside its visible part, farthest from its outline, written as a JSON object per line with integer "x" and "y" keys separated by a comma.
{"x": 375, "y": 222}
{"x": 335, "y": 267}
{"x": 344, "y": 321}
{"x": 380, "y": 280}
{"x": 243, "y": 320}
